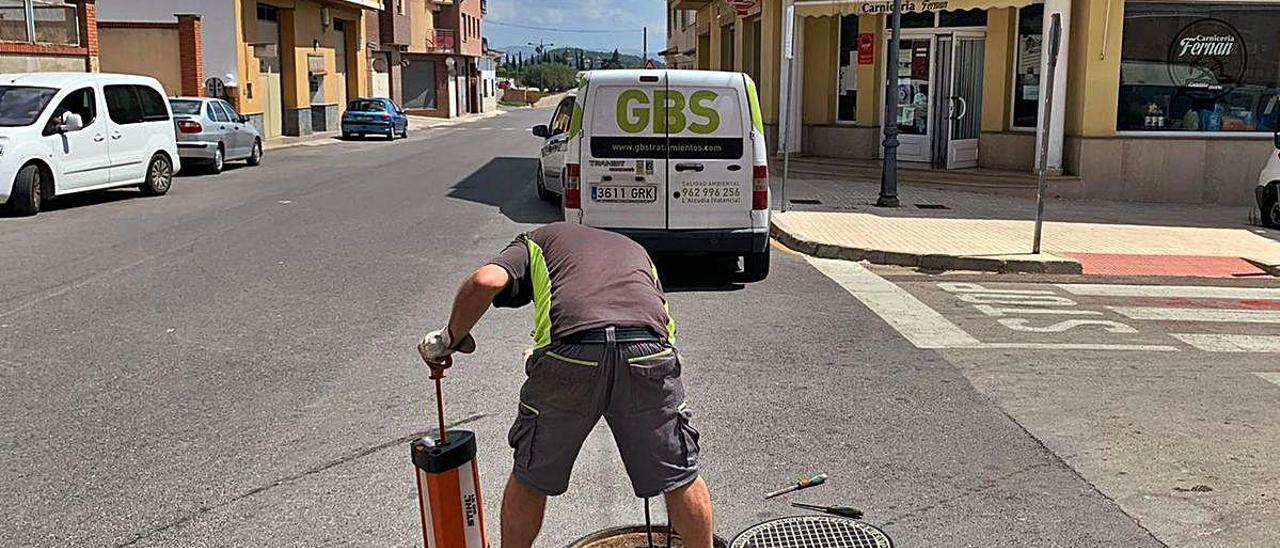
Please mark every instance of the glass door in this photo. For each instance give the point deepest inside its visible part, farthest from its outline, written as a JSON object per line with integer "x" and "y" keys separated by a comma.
{"x": 964, "y": 120}
{"x": 914, "y": 71}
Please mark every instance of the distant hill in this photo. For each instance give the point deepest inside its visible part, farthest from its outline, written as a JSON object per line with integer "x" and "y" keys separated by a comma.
{"x": 629, "y": 59}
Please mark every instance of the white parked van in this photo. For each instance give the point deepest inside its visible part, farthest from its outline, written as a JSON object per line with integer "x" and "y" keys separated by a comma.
{"x": 675, "y": 159}
{"x": 62, "y": 133}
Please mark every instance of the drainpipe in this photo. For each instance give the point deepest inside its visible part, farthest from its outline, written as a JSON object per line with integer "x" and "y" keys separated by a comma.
{"x": 1059, "y": 106}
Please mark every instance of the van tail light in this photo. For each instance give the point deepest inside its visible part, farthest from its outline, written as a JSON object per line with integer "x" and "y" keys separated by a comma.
{"x": 188, "y": 126}
{"x": 760, "y": 188}
{"x": 573, "y": 186}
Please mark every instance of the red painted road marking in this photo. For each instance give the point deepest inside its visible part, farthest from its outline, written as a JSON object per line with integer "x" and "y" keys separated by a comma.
{"x": 1232, "y": 304}
{"x": 1166, "y": 265}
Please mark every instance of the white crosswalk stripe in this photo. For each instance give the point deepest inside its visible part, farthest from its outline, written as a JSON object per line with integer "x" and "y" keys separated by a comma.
{"x": 1216, "y": 315}
{"x": 1001, "y": 315}
{"x": 1224, "y": 342}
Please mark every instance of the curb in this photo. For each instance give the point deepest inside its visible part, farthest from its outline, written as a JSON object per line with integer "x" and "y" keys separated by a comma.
{"x": 929, "y": 261}
{"x": 328, "y": 138}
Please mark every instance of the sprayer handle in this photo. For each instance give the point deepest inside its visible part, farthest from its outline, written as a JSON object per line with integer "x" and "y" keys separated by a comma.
{"x": 438, "y": 373}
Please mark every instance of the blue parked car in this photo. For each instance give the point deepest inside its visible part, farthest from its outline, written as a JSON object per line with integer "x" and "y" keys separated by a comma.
{"x": 374, "y": 116}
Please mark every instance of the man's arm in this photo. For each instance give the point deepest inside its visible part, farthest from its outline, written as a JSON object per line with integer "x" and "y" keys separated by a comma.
{"x": 474, "y": 298}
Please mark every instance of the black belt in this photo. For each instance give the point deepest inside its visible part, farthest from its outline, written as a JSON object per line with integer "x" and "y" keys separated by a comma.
{"x": 620, "y": 334}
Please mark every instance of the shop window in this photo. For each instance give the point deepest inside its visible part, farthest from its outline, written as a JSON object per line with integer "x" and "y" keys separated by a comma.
{"x": 847, "y": 78}
{"x": 1026, "y": 74}
{"x": 917, "y": 20}
{"x": 1199, "y": 68}
{"x": 964, "y": 18}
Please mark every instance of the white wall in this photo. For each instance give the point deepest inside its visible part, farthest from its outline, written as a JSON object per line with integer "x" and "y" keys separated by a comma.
{"x": 217, "y": 23}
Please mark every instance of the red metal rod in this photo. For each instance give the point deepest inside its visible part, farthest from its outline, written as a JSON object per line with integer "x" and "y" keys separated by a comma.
{"x": 440, "y": 409}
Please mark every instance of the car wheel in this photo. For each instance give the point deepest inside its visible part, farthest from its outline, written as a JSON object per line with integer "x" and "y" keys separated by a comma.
{"x": 1271, "y": 211}
{"x": 543, "y": 194}
{"x": 755, "y": 266}
{"x": 159, "y": 176}
{"x": 219, "y": 160}
{"x": 255, "y": 156}
{"x": 28, "y": 191}
{"x": 404, "y": 133}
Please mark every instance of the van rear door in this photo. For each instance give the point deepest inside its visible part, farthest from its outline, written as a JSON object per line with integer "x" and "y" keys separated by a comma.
{"x": 624, "y": 159}
{"x": 710, "y": 168}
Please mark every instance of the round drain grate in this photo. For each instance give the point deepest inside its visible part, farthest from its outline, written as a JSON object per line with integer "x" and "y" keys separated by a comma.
{"x": 812, "y": 532}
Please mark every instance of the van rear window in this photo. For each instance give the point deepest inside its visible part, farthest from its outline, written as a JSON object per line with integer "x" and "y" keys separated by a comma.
{"x": 676, "y": 148}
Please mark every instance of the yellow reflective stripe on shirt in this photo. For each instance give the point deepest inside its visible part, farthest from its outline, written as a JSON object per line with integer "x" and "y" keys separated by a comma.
{"x": 570, "y": 361}
{"x": 666, "y": 307}
{"x": 541, "y": 281}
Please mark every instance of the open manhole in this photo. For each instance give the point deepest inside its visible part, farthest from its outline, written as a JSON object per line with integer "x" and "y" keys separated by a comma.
{"x": 812, "y": 532}
{"x": 634, "y": 537}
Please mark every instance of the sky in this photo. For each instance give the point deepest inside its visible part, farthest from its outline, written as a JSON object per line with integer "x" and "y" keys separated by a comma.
{"x": 622, "y": 19}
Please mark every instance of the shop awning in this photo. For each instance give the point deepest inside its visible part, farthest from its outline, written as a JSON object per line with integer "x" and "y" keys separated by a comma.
{"x": 828, "y": 8}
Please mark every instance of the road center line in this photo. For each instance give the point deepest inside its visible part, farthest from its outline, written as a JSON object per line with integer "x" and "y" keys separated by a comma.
{"x": 920, "y": 324}
{"x": 1197, "y": 314}
{"x": 1186, "y": 292}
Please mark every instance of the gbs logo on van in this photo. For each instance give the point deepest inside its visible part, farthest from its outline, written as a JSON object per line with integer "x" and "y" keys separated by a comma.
{"x": 668, "y": 124}
{"x": 638, "y": 112}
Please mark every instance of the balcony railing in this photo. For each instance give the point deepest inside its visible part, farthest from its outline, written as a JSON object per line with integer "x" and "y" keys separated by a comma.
{"x": 39, "y": 21}
{"x": 443, "y": 41}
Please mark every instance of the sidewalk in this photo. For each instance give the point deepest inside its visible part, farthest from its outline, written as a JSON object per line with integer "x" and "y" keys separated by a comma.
{"x": 942, "y": 229}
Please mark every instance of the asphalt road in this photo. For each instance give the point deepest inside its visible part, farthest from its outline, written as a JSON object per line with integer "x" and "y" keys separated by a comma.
{"x": 233, "y": 365}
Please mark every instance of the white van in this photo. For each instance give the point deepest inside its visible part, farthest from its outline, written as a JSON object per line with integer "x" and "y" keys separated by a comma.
{"x": 675, "y": 159}
{"x": 62, "y": 133}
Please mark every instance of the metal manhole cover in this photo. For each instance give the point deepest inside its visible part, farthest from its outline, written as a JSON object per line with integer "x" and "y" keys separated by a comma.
{"x": 812, "y": 532}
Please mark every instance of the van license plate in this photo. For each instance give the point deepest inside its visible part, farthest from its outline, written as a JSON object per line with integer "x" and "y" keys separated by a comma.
{"x": 626, "y": 194}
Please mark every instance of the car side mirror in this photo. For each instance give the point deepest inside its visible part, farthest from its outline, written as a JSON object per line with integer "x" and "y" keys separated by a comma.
{"x": 541, "y": 130}
{"x": 244, "y": 119}
{"x": 70, "y": 122}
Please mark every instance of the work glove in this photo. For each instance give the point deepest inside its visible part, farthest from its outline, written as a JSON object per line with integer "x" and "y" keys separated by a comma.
{"x": 437, "y": 346}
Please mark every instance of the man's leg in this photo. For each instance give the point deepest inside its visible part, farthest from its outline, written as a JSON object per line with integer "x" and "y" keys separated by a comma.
{"x": 522, "y": 510}
{"x": 690, "y": 509}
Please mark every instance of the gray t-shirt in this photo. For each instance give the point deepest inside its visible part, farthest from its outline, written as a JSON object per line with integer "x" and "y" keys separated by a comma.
{"x": 598, "y": 278}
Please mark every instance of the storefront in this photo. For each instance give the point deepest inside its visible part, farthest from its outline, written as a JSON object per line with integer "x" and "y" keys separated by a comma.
{"x": 1156, "y": 101}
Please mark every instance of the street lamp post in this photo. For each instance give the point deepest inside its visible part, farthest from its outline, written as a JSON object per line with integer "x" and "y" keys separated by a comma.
{"x": 540, "y": 47}
{"x": 889, "y": 175}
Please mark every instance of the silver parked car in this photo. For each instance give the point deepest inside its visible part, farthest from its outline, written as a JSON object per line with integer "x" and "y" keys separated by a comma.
{"x": 212, "y": 133}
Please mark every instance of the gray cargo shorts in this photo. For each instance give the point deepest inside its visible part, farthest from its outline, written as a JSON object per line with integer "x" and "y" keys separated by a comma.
{"x": 636, "y": 387}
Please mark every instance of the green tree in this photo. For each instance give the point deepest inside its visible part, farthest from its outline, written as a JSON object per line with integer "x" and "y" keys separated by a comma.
{"x": 614, "y": 61}
{"x": 554, "y": 77}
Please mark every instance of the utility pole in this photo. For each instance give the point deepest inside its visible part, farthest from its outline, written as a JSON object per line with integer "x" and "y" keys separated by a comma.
{"x": 889, "y": 175}
{"x": 646, "y": 47}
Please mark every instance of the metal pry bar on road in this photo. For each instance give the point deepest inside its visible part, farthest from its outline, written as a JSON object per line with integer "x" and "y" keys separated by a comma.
{"x": 843, "y": 511}
{"x": 802, "y": 484}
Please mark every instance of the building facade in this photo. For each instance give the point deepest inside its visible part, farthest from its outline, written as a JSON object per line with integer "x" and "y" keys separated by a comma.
{"x": 1154, "y": 100}
{"x": 48, "y": 35}
{"x": 682, "y": 37}
{"x": 440, "y": 73}
{"x": 289, "y": 65}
